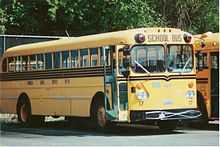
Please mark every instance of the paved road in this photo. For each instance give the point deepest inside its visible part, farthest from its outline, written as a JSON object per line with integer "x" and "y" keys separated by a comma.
{"x": 62, "y": 133}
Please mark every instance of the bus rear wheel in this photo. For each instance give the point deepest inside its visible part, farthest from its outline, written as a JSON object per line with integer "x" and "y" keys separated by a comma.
{"x": 24, "y": 111}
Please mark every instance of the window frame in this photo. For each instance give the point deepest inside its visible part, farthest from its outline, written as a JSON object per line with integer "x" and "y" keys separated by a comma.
{"x": 192, "y": 53}
{"x": 165, "y": 58}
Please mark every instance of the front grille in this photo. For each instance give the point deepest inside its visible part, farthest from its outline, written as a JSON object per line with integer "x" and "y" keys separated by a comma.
{"x": 164, "y": 114}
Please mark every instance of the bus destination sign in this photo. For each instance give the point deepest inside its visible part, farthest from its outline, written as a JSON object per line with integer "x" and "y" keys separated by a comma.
{"x": 164, "y": 38}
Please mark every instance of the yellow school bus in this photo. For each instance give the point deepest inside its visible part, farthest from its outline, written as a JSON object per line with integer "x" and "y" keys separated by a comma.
{"x": 139, "y": 75}
{"x": 207, "y": 49}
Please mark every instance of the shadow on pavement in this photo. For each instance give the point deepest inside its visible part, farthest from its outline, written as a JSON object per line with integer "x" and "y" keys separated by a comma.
{"x": 209, "y": 127}
{"x": 64, "y": 128}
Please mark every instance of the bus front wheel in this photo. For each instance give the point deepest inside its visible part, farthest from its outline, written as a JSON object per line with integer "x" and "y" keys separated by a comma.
{"x": 99, "y": 116}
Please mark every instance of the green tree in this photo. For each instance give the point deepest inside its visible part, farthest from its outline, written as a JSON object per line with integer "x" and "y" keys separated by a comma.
{"x": 2, "y": 21}
{"x": 87, "y": 17}
{"x": 26, "y": 17}
{"x": 196, "y": 16}
{"x": 80, "y": 17}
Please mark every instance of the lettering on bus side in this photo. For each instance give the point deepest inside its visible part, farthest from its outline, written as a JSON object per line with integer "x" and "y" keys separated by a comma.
{"x": 67, "y": 81}
{"x": 42, "y": 82}
{"x": 30, "y": 82}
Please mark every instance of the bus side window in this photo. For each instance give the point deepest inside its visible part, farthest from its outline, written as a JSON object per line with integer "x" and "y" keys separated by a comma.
{"x": 66, "y": 59}
{"x": 84, "y": 60}
{"x": 74, "y": 58}
{"x": 205, "y": 60}
{"x": 107, "y": 56}
{"x": 202, "y": 61}
{"x": 48, "y": 61}
{"x": 32, "y": 63}
{"x": 56, "y": 60}
{"x": 24, "y": 63}
{"x": 120, "y": 61}
{"x": 11, "y": 64}
{"x": 40, "y": 61}
{"x": 94, "y": 57}
{"x": 18, "y": 64}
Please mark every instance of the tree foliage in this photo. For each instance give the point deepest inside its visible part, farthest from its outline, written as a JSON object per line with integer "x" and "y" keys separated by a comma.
{"x": 79, "y": 17}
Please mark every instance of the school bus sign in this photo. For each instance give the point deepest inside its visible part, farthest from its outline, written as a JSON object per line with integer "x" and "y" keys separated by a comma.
{"x": 165, "y": 38}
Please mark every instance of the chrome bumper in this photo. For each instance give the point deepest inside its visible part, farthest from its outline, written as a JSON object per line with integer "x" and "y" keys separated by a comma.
{"x": 165, "y": 115}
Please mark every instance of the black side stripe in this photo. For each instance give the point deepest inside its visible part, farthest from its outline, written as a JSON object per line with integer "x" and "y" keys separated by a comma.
{"x": 159, "y": 77}
{"x": 53, "y": 74}
{"x": 202, "y": 80}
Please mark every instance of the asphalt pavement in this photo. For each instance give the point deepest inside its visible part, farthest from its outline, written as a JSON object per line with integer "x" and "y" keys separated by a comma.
{"x": 63, "y": 133}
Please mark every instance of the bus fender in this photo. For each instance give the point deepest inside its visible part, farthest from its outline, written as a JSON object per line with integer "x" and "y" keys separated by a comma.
{"x": 98, "y": 97}
{"x": 23, "y": 97}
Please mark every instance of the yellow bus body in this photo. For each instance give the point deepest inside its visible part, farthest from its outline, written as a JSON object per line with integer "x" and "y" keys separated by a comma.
{"x": 205, "y": 79}
{"x": 70, "y": 92}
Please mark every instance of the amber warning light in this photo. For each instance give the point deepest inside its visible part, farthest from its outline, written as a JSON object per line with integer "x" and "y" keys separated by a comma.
{"x": 187, "y": 38}
{"x": 139, "y": 38}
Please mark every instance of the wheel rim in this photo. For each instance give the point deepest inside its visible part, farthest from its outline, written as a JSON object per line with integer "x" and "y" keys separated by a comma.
{"x": 24, "y": 113}
{"x": 101, "y": 116}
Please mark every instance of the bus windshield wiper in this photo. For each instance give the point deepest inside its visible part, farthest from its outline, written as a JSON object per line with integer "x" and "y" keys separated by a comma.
{"x": 187, "y": 62}
{"x": 142, "y": 67}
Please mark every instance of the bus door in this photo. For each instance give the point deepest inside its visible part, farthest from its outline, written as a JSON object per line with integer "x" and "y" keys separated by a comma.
{"x": 109, "y": 83}
{"x": 214, "y": 84}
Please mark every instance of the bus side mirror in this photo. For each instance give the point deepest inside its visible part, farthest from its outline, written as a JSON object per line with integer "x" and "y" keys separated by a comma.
{"x": 126, "y": 61}
{"x": 126, "y": 51}
{"x": 126, "y": 64}
{"x": 199, "y": 57}
{"x": 126, "y": 73}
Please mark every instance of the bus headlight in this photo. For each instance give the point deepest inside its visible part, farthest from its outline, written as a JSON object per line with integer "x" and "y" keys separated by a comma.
{"x": 190, "y": 94}
{"x": 142, "y": 95}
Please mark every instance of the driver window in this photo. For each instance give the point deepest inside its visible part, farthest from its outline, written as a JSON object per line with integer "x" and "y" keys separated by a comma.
{"x": 120, "y": 61}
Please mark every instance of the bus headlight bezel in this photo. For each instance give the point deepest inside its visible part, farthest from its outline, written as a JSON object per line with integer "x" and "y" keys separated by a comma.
{"x": 190, "y": 94}
{"x": 142, "y": 95}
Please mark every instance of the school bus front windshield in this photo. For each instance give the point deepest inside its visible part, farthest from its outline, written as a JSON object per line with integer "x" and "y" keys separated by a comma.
{"x": 151, "y": 58}
{"x": 180, "y": 58}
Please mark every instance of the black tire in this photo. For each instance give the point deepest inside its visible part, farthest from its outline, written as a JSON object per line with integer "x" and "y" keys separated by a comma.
{"x": 99, "y": 119}
{"x": 203, "y": 120}
{"x": 24, "y": 113}
{"x": 24, "y": 110}
{"x": 167, "y": 125}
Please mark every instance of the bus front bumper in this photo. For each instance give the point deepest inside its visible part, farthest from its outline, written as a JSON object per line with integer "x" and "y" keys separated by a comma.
{"x": 183, "y": 114}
